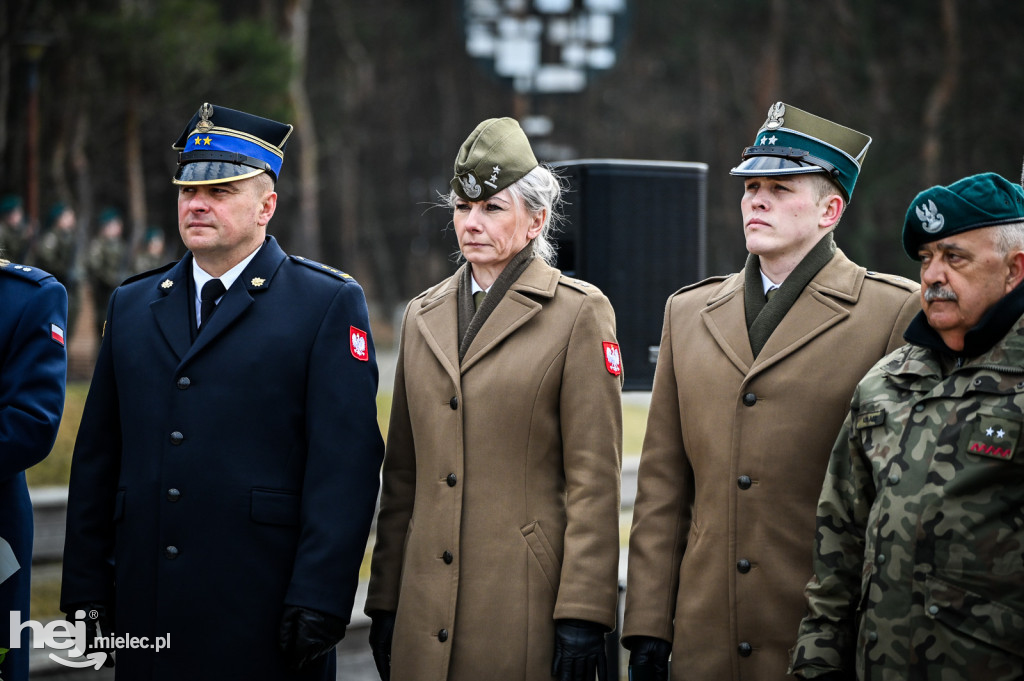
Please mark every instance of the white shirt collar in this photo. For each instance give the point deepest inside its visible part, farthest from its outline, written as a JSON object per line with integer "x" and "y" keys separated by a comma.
{"x": 228, "y": 278}
{"x": 767, "y": 283}
{"x": 477, "y": 287}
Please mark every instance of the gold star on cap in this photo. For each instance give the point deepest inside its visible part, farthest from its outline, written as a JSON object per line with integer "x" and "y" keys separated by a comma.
{"x": 258, "y": 281}
{"x": 166, "y": 283}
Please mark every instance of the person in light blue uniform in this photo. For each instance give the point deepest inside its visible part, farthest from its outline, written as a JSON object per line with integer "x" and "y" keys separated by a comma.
{"x": 33, "y": 369}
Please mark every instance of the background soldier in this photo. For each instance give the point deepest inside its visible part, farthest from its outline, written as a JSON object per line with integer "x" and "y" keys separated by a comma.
{"x": 56, "y": 254}
{"x": 151, "y": 255}
{"x": 920, "y": 547}
{"x": 15, "y": 232}
{"x": 105, "y": 263}
{"x": 748, "y": 396}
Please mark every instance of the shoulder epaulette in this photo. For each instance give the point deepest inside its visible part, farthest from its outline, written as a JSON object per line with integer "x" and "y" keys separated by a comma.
{"x": 143, "y": 275}
{"x": 578, "y": 284}
{"x": 320, "y": 267}
{"x": 703, "y": 282}
{"x": 894, "y": 280}
{"x": 25, "y": 272}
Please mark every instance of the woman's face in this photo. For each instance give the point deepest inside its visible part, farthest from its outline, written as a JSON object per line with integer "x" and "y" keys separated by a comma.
{"x": 492, "y": 231}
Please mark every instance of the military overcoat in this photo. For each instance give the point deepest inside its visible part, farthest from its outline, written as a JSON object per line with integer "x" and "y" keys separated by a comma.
{"x": 215, "y": 481}
{"x": 733, "y": 459}
{"x": 499, "y": 509}
{"x": 919, "y": 566}
{"x": 33, "y": 367}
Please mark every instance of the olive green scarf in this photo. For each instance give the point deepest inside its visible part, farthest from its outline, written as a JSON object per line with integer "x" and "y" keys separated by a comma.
{"x": 470, "y": 319}
{"x": 764, "y": 316}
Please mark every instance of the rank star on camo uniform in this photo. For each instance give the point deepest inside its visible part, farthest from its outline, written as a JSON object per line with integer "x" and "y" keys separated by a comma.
{"x": 919, "y": 553}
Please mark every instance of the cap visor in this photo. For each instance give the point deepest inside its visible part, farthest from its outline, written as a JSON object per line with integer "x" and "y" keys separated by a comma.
{"x": 213, "y": 172}
{"x": 766, "y": 166}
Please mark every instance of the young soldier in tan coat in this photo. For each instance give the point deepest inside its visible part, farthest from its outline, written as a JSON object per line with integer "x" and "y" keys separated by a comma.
{"x": 749, "y": 393}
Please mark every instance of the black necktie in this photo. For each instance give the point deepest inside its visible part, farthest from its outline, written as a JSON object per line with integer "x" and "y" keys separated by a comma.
{"x": 212, "y": 290}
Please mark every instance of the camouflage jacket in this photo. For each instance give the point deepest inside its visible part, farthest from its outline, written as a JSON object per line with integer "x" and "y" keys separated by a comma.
{"x": 919, "y": 554}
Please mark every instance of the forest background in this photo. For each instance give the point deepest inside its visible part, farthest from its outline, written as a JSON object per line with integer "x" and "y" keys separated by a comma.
{"x": 93, "y": 93}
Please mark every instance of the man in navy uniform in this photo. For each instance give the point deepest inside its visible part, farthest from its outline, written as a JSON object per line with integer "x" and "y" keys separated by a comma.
{"x": 226, "y": 470}
{"x": 33, "y": 366}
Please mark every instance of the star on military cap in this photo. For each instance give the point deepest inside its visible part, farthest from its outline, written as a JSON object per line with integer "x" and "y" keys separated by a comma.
{"x": 792, "y": 141}
{"x": 496, "y": 154}
{"x": 223, "y": 145}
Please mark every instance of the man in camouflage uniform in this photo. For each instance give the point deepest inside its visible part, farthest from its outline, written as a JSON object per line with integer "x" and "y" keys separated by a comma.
{"x": 919, "y": 554}
{"x": 15, "y": 232}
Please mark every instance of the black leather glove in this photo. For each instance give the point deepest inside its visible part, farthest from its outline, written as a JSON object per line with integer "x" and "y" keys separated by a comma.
{"x": 382, "y": 630}
{"x": 98, "y": 620}
{"x": 307, "y": 635}
{"x": 648, "y": 658}
{"x": 579, "y": 651}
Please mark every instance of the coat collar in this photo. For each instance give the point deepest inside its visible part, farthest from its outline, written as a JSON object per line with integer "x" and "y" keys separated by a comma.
{"x": 437, "y": 317}
{"x": 173, "y": 302}
{"x": 819, "y": 307}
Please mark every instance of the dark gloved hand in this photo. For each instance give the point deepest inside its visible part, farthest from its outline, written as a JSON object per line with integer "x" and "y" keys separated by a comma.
{"x": 648, "y": 658}
{"x": 382, "y": 630}
{"x": 98, "y": 621}
{"x": 307, "y": 635}
{"x": 579, "y": 651}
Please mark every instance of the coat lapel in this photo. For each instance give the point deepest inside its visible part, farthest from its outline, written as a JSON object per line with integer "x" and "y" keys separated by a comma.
{"x": 257, "y": 276}
{"x": 438, "y": 322}
{"x": 172, "y": 306}
{"x": 518, "y": 306}
{"x": 816, "y": 310}
{"x": 725, "y": 320}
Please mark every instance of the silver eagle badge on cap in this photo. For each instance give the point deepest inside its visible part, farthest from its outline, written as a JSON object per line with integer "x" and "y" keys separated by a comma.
{"x": 470, "y": 186}
{"x": 776, "y": 116}
{"x": 932, "y": 220}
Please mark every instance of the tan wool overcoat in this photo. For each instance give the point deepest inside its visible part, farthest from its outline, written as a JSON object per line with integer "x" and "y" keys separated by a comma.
{"x": 500, "y": 496}
{"x": 733, "y": 461}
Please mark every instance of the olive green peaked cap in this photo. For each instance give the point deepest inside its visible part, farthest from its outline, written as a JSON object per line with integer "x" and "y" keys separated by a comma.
{"x": 495, "y": 155}
{"x": 792, "y": 141}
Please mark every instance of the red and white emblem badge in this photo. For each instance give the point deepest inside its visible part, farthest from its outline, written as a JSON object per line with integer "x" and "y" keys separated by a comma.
{"x": 612, "y": 359}
{"x": 357, "y": 343}
{"x": 57, "y": 333}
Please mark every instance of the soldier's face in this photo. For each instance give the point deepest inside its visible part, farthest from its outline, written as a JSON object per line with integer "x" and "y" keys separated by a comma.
{"x": 962, "y": 276}
{"x": 491, "y": 232}
{"x": 223, "y": 223}
{"x": 783, "y": 217}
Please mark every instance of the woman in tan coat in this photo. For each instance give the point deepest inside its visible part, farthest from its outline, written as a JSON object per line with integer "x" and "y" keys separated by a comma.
{"x": 497, "y": 540}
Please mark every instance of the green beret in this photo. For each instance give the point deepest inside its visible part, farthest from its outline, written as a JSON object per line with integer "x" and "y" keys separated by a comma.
{"x": 792, "y": 141}
{"x": 56, "y": 210}
{"x": 9, "y": 203}
{"x": 495, "y": 155}
{"x": 107, "y": 215}
{"x": 977, "y": 201}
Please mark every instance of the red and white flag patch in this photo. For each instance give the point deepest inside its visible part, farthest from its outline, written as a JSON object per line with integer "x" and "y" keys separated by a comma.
{"x": 57, "y": 333}
{"x": 358, "y": 344}
{"x": 612, "y": 358}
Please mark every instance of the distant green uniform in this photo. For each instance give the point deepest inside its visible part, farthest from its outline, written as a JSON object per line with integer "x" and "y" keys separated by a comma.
{"x": 919, "y": 562}
{"x": 56, "y": 254}
{"x": 106, "y": 271}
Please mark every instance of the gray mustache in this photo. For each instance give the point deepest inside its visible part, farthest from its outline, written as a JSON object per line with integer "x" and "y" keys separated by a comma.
{"x": 934, "y": 292}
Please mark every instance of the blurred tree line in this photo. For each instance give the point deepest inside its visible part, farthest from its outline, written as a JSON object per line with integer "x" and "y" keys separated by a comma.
{"x": 382, "y": 94}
